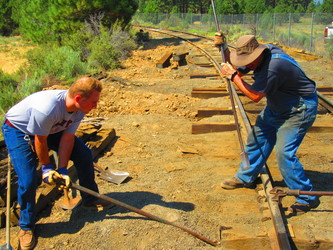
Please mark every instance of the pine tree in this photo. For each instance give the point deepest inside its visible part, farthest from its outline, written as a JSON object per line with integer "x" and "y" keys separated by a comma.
{"x": 44, "y": 20}
{"x": 7, "y": 24}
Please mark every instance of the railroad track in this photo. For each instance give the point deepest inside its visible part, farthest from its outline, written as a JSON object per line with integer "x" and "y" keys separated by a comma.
{"x": 282, "y": 236}
{"x": 207, "y": 83}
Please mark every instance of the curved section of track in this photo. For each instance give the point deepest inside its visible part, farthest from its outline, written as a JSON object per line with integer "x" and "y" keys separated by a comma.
{"x": 280, "y": 239}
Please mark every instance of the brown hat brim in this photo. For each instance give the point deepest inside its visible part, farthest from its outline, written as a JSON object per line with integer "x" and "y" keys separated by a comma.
{"x": 245, "y": 59}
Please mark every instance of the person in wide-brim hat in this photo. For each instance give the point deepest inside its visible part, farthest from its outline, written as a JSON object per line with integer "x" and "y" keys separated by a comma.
{"x": 290, "y": 111}
{"x": 247, "y": 50}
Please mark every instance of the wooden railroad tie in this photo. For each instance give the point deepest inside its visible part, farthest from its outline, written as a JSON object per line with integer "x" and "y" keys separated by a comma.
{"x": 164, "y": 61}
{"x": 210, "y": 127}
{"x": 206, "y": 93}
{"x": 179, "y": 57}
{"x": 321, "y": 127}
{"x": 208, "y": 112}
{"x": 205, "y": 127}
{"x": 325, "y": 89}
{"x": 194, "y": 76}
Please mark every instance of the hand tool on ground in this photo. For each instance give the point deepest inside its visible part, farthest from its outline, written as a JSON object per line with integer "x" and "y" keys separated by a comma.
{"x": 139, "y": 211}
{"x": 7, "y": 245}
{"x": 67, "y": 203}
{"x": 280, "y": 192}
{"x": 114, "y": 176}
{"x": 244, "y": 155}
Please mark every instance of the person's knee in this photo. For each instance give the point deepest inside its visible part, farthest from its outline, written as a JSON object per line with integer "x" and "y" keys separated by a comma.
{"x": 83, "y": 154}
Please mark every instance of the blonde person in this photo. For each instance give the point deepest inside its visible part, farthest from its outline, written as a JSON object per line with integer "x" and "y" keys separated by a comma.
{"x": 48, "y": 120}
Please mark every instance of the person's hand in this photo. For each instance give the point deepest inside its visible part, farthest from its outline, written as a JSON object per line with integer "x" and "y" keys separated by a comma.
{"x": 63, "y": 174}
{"x": 228, "y": 70}
{"x": 220, "y": 40}
{"x": 48, "y": 172}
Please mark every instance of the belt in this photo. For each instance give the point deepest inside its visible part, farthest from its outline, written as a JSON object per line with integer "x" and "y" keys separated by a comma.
{"x": 9, "y": 123}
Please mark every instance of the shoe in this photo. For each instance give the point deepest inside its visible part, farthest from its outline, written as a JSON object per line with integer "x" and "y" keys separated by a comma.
{"x": 301, "y": 208}
{"x": 232, "y": 183}
{"x": 27, "y": 240}
{"x": 99, "y": 205}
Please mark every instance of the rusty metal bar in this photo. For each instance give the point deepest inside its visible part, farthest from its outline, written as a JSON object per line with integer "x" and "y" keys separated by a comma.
{"x": 141, "y": 212}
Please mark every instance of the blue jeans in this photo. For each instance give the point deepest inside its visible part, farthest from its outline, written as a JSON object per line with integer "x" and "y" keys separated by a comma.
{"x": 286, "y": 131}
{"x": 25, "y": 163}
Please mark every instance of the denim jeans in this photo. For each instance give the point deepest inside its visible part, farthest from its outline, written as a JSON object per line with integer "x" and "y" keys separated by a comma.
{"x": 285, "y": 131}
{"x": 25, "y": 164}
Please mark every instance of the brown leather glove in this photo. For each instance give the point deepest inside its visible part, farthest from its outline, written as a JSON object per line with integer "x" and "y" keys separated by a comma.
{"x": 228, "y": 71}
{"x": 220, "y": 40}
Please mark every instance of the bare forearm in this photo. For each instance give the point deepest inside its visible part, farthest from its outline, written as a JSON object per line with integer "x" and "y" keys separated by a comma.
{"x": 246, "y": 89}
{"x": 42, "y": 150}
{"x": 65, "y": 149}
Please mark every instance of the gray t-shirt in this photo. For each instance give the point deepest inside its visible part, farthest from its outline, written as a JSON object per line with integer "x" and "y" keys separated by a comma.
{"x": 44, "y": 113}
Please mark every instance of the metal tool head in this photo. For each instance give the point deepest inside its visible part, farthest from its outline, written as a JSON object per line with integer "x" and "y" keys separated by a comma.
{"x": 68, "y": 203}
{"x": 114, "y": 176}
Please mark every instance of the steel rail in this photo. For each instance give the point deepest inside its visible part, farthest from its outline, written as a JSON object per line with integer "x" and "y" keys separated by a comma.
{"x": 281, "y": 233}
{"x": 325, "y": 102}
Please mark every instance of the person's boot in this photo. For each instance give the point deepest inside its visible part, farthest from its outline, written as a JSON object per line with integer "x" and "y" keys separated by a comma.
{"x": 232, "y": 183}
{"x": 27, "y": 240}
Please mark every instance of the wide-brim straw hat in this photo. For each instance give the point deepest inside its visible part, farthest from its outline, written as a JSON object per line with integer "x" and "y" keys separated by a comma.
{"x": 247, "y": 50}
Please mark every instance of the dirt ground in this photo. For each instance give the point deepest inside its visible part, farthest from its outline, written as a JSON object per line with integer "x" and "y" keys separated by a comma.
{"x": 176, "y": 175}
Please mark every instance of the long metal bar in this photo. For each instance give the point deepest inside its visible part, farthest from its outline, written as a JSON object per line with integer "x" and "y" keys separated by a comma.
{"x": 245, "y": 158}
{"x": 325, "y": 99}
{"x": 139, "y": 211}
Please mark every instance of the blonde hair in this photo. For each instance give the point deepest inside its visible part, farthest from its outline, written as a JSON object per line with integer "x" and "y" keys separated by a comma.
{"x": 84, "y": 86}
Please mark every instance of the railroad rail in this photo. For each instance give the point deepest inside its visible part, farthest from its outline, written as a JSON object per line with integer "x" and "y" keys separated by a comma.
{"x": 281, "y": 238}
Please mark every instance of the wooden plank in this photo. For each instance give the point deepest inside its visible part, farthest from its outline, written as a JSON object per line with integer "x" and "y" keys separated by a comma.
{"x": 223, "y": 89}
{"x": 321, "y": 128}
{"x": 179, "y": 56}
{"x": 203, "y": 75}
{"x": 326, "y": 92}
{"x": 101, "y": 140}
{"x": 324, "y": 88}
{"x": 208, "y": 112}
{"x": 209, "y": 94}
{"x": 201, "y": 127}
{"x": 164, "y": 61}
{"x": 209, "y": 89}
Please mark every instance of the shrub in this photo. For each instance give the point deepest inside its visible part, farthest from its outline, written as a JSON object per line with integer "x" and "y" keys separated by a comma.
{"x": 111, "y": 45}
{"x": 8, "y": 98}
{"x": 102, "y": 54}
{"x": 61, "y": 62}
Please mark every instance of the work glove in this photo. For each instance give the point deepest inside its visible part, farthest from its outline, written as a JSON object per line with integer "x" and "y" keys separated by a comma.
{"x": 50, "y": 175}
{"x": 228, "y": 71}
{"x": 48, "y": 172}
{"x": 63, "y": 174}
{"x": 220, "y": 40}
